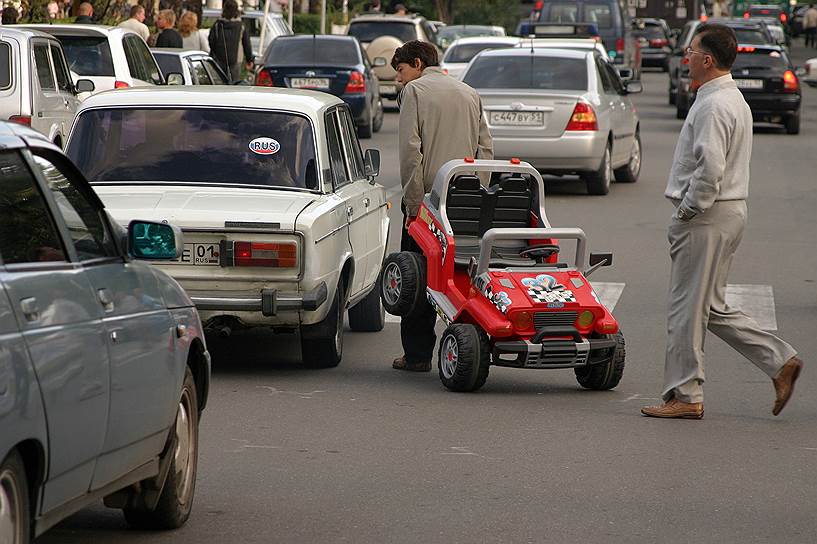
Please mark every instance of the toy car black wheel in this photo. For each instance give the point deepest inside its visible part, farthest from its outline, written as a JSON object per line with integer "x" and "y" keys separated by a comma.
{"x": 464, "y": 358}
{"x": 402, "y": 282}
{"x": 604, "y": 376}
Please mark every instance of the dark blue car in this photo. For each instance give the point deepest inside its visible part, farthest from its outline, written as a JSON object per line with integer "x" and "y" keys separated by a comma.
{"x": 333, "y": 64}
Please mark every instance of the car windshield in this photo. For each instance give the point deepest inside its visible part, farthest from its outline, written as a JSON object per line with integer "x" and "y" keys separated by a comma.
{"x": 88, "y": 55}
{"x": 5, "y": 65}
{"x": 368, "y": 31}
{"x": 169, "y": 63}
{"x": 760, "y": 60}
{"x": 452, "y": 33}
{"x": 598, "y": 13}
{"x": 313, "y": 52}
{"x": 751, "y": 36}
{"x": 465, "y": 52}
{"x": 195, "y": 145}
{"x": 651, "y": 32}
{"x": 527, "y": 72}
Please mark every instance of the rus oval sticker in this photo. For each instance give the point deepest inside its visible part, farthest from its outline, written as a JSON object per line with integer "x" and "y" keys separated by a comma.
{"x": 265, "y": 146}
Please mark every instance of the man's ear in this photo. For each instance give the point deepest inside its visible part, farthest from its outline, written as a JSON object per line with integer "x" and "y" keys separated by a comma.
{"x": 418, "y": 64}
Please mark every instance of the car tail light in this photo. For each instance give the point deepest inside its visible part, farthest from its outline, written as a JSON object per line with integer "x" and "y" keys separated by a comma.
{"x": 120, "y": 85}
{"x": 583, "y": 118}
{"x": 783, "y": 18}
{"x": 264, "y": 79}
{"x": 445, "y": 71}
{"x": 790, "y": 83}
{"x": 274, "y": 255}
{"x": 21, "y": 119}
{"x": 659, "y": 43}
{"x": 539, "y": 5}
{"x": 746, "y": 49}
{"x": 704, "y": 18}
{"x": 745, "y": 14}
{"x": 356, "y": 84}
{"x": 620, "y": 46}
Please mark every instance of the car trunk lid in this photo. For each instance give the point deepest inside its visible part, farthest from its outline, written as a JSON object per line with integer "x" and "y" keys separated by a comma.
{"x": 520, "y": 114}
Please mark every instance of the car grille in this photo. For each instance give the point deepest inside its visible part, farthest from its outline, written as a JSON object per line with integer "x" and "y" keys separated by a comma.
{"x": 553, "y": 319}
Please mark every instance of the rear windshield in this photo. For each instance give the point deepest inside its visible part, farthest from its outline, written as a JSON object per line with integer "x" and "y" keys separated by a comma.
{"x": 598, "y": 13}
{"x": 452, "y": 33}
{"x": 366, "y": 31}
{"x": 548, "y": 73}
{"x": 88, "y": 55}
{"x": 751, "y": 36}
{"x": 651, "y": 32}
{"x": 169, "y": 64}
{"x": 759, "y": 12}
{"x": 760, "y": 59}
{"x": 464, "y": 53}
{"x": 203, "y": 146}
{"x": 313, "y": 52}
{"x": 5, "y": 65}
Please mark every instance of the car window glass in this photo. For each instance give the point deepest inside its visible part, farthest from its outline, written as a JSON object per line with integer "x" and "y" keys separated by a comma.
{"x": 201, "y": 75}
{"x": 5, "y": 65}
{"x": 88, "y": 55}
{"x": 518, "y": 72}
{"x": 352, "y": 145}
{"x": 83, "y": 219}
{"x": 216, "y": 75}
{"x": 561, "y": 12}
{"x": 27, "y": 231}
{"x": 135, "y": 67}
{"x": 312, "y": 51}
{"x": 151, "y": 69}
{"x": 614, "y": 79}
{"x": 63, "y": 79}
{"x": 335, "y": 151}
{"x": 751, "y": 36}
{"x": 604, "y": 78}
{"x": 598, "y": 14}
{"x": 367, "y": 31}
{"x": 43, "y": 65}
{"x": 169, "y": 63}
{"x": 465, "y": 52}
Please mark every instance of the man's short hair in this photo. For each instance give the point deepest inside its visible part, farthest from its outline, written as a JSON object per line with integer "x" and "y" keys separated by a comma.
{"x": 86, "y": 8}
{"x": 720, "y": 42}
{"x": 136, "y": 10}
{"x": 168, "y": 15}
{"x": 416, "y": 49}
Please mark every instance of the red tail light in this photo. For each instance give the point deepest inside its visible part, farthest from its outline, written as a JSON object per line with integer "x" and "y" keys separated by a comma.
{"x": 539, "y": 5}
{"x": 356, "y": 84}
{"x": 746, "y": 49}
{"x": 264, "y": 79}
{"x": 120, "y": 85}
{"x": 783, "y": 18}
{"x": 704, "y": 18}
{"x": 659, "y": 43}
{"x": 21, "y": 119}
{"x": 790, "y": 82}
{"x": 583, "y": 118}
{"x": 276, "y": 255}
{"x": 620, "y": 46}
{"x": 745, "y": 14}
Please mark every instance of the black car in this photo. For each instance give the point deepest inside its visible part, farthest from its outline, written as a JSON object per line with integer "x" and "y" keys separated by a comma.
{"x": 765, "y": 76}
{"x": 333, "y": 64}
{"x": 657, "y": 41}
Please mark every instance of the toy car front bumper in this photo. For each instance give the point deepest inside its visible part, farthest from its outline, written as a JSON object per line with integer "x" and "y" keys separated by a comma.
{"x": 560, "y": 353}
{"x": 269, "y": 301}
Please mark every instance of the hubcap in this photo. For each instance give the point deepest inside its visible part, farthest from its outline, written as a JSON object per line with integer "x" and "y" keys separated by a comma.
{"x": 339, "y": 330}
{"x": 635, "y": 158}
{"x": 10, "y": 514}
{"x": 392, "y": 284}
{"x": 608, "y": 168}
{"x": 185, "y": 449}
{"x": 449, "y": 356}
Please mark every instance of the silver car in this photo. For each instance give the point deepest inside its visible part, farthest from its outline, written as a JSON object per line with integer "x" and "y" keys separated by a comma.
{"x": 195, "y": 67}
{"x": 565, "y": 112}
{"x": 104, "y": 369}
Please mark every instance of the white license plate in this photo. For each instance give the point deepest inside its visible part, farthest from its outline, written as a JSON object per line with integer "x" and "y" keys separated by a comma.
{"x": 309, "y": 83}
{"x": 388, "y": 89}
{"x": 517, "y": 118}
{"x": 200, "y": 254}
{"x": 749, "y": 83}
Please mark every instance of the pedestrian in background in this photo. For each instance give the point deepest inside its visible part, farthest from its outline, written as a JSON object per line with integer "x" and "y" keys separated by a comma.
{"x": 10, "y": 15}
{"x": 168, "y": 36}
{"x": 53, "y": 9}
{"x": 225, "y": 37}
{"x": 433, "y": 107}
{"x": 708, "y": 185}
{"x": 192, "y": 39}
{"x": 86, "y": 14}
{"x": 136, "y": 22}
{"x": 810, "y": 25}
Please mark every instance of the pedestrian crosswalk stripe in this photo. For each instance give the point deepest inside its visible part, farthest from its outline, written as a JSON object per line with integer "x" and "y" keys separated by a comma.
{"x": 608, "y": 293}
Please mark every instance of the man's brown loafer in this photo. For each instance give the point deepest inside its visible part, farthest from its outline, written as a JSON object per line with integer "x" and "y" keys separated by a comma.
{"x": 674, "y": 408}
{"x": 784, "y": 383}
{"x": 401, "y": 364}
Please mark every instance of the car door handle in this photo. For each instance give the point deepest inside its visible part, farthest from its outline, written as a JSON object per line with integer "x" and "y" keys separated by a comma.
{"x": 106, "y": 299}
{"x": 366, "y": 202}
{"x": 31, "y": 310}
{"x": 350, "y": 211}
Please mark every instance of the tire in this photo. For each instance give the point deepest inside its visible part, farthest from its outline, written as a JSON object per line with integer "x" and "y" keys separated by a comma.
{"x": 176, "y": 500}
{"x": 665, "y": 66}
{"x": 15, "y": 516}
{"x": 598, "y": 183}
{"x": 672, "y": 98}
{"x": 377, "y": 122}
{"x": 365, "y": 131}
{"x": 629, "y": 172}
{"x": 368, "y": 315}
{"x": 681, "y": 108}
{"x": 793, "y": 124}
{"x": 322, "y": 343}
{"x": 464, "y": 358}
{"x": 602, "y": 377}
{"x": 402, "y": 282}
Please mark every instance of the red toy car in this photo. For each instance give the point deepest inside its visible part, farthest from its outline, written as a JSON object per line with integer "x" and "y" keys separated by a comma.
{"x": 491, "y": 268}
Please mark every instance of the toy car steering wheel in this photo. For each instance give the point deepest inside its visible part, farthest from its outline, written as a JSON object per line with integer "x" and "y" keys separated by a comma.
{"x": 540, "y": 251}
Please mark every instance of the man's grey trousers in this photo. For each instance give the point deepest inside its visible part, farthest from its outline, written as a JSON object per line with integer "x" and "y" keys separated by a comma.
{"x": 701, "y": 250}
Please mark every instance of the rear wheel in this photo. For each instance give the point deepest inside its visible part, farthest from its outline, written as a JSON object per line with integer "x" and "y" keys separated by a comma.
{"x": 402, "y": 282}
{"x": 605, "y": 375}
{"x": 464, "y": 358}
{"x": 368, "y": 315}
{"x": 629, "y": 172}
{"x": 365, "y": 131}
{"x": 681, "y": 107}
{"x": 793, "y": 124}
{"x": 598, "y": 182}
{"x": 377, "y": 122}
{"x": 15, "y": 524}
{"x": 322, "y": 343}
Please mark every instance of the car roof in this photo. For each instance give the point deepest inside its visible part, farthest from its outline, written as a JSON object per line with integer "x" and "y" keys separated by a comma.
{"x": 738, "y": 22}
{"x": 15, "y": 136}
{"x": 22, "y": 33}
{"x": 560, "y": 43}
{"x": 81, "y": 30}
{"x": 168, "y": 51}
{"x": 536, "y": 51}
{"x": 485, "y": 39}
{"x": 368, "y": 17}
{"x": 249, "y": 13}
{"x": 322, "y": 37}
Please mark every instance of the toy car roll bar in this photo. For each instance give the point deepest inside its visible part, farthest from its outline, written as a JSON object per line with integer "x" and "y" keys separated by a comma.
{"x": 491, "y": 235}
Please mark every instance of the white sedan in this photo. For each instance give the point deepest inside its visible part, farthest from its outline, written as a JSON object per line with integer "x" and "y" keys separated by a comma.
{"x": 461, "y": 51}
{"x": 284, "y": 226}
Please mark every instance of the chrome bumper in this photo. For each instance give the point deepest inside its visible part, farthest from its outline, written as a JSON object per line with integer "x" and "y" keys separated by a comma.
{"x": 269, "y": 302}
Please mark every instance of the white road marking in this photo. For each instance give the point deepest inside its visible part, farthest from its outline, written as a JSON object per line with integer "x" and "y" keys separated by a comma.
{"x": 393, "y": 318}
{"x": 756, "y": 301}
{"x": 245, "y": 445}
{"x": 608, "y": 293}
{"x": 275, "y": 391}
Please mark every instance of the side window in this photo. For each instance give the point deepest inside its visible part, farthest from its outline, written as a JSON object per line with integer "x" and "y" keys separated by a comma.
{"x": 43, "y": 65}
{"x": 604, "y": 77}
{"x": 614, "y": 79}
{"x": 137, "y": 71}
{"x": 335, "y": 151}
{"x": 215, "y": 73}
{"x": 152, "y": 72}
{"x": 88, "y": 232}
{"x": 682, "y": 40}
{"x": 27, "y": 231}
{"x": 200, "y": 73}
{"x": 352, "y": 145}
{"x": 64, "y": 82}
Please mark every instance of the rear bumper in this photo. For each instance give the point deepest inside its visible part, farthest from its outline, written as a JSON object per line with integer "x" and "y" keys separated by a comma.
{"x": 269, "y": 302}
{"x": 553, "y": 353}
{"x": 571, "y": 152}
{"x": 766, "y": 105}
{"x": 657, "y": 58}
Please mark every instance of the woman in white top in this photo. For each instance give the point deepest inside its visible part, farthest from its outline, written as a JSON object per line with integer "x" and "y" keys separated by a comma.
{"x": 192, "y": 38}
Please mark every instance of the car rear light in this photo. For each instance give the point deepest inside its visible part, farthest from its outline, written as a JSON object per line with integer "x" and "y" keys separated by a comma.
{"x": 704, "y": 18}
{"x": 745, "y": 14}
{"x": 445, "y": 71}
{"x": 264, "y": 79}
{"x": 659, "y": 43}
{"x": 539, "y": 5}
{"x": 583, "y": 118}
{"x": 356, "y": 84}
{"x": 620, "y": 46}
{"x": 120, "y": 85}
{"x": 746, "y": 49}
{"x": 783, "y": 18}
{"x": 21, "y": 119}
{"x": 790, "y": 83}
{"x": 274, "y": 255}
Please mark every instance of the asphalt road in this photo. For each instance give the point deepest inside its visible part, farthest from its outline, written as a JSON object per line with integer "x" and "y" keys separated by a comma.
{"x": 363, "y": 453}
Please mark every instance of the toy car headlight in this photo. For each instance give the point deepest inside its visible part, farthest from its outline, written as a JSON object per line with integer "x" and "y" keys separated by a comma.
{"x": 585, "y": 319}
{"x": 522, "y": 321}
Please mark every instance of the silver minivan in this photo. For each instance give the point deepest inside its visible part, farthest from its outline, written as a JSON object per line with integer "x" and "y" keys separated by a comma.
{"x": 36, "y": 88}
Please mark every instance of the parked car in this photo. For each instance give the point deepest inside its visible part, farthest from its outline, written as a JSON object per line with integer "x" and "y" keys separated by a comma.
{"x": 104, "y": 370}
{"x": 111, "y": 57}
{"x": 36, "y": 89}
{"x": 273, "y": 25}
{"x": 766, "y": 78}
{"x": 656, "y": 50}
{"x": 766, "y": 10}
{"x": 334, "y": 64}
{"x": 462, "y": 50}
{"x": 284, "y": 225}
{"x": 195, "y": 67}
{"x": 809, "y": 72}
{"x": 564, "y": 112}
{"x": 447, "y": 35}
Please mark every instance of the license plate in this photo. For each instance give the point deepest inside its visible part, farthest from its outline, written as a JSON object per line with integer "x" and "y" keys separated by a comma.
{"x": 517, "y": 118}
{"x": 749, "y": 83}
{"x": 309, "y": 83}
{"x": 388, "y": 89}
{"x": 200, "y": 254}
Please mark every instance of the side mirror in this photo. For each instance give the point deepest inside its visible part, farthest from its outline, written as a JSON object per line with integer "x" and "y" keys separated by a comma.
{"x": 633, "y": 86}
{"x": 601, "y": 259}
{"x": 800, "y": 71}
{"x": 175, "y": 78}
{"x": 84, "y": 86}
{"x": 378, "y": 62}
{"x": 154, "y": 241}
{"x": 371, "y": 163}
{"x": 625, "y": 73}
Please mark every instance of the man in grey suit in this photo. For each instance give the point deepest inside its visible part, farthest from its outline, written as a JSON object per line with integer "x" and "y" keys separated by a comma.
{"x": 708, "y": 186}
